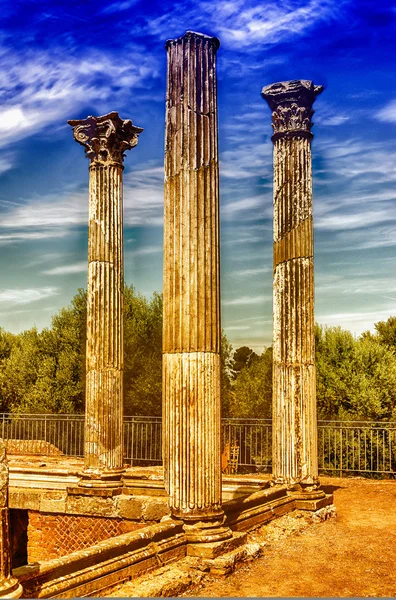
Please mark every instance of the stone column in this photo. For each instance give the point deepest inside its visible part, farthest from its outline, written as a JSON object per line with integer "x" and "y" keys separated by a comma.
{"x": 105, "y": 140}
{"x": 191, "y": 335}
{"x": 294, "y": 427}
{"x": 9, "y": 586}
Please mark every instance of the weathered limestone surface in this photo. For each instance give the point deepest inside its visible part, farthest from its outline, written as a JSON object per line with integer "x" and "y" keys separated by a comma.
{"x": 9, "y": 586}
{"x": 105, "y": 140}
{"x": 191, "y": 336}
{"x": 294, "y": 398}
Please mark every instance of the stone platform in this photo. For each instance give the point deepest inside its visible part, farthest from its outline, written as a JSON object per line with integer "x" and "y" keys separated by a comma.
{"x": 79, "y": 542}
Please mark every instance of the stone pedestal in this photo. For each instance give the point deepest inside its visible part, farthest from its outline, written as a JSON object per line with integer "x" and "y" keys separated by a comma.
{"x": 9, "y": 586}
{"x": 191, "y": 336}
{"x": 105, "y": 140}
{"x": 294, "y": 423}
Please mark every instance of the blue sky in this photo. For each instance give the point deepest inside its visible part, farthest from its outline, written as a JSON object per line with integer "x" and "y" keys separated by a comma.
{"x": 66, "y": 60}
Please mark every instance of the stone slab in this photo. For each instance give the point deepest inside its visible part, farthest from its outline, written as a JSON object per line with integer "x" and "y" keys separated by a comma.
{"x": 94, "y": 491}
{"x": 214, "y": 549}
{"x": 314, "y": 504}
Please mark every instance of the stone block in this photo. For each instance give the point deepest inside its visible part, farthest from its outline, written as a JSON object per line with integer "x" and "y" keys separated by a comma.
{"x": 154, "y": 510}
{"x": 26, "y": 499}
{"x": 314, "y": 504}
{"x": 53, "y": 502}
{"x": 214, "y": 549}
{"x": 129, "y": 507}
{"x": 85, "y": 505}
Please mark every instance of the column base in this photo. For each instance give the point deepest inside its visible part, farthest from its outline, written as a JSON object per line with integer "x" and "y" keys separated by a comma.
{"x": 309, "y": 497}
{"x": 204, "y": 529}
{"x": 101, "y": 479}
{"x": 10, "y": 588}
{"x": 305, "y": 491}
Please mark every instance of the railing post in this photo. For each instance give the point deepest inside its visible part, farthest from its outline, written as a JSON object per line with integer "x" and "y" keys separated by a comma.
{"x": 341, "y": 456}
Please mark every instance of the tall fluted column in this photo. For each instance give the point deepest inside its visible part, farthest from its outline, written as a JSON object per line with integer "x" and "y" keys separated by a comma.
{"x": 105, "y": 140}
{"x": 9, "y": 586}
{"x": 191, "y": 336}
{"x": 294, "y": 395}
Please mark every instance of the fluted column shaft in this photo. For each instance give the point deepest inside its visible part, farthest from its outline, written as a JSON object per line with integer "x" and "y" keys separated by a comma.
{"x": 105, "y": 139}
{"x": 294, "y": 423}
{"x": 105, "y": 353}
{"x": 191, "y": 336}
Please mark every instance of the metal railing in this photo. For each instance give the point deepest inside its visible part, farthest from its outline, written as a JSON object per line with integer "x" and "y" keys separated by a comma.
{"x": 364, "y": 447}
{"x": 357, "y": 447}
{"x": 254, "y": 438}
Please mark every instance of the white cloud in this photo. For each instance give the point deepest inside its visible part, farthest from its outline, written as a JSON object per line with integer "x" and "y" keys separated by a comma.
{"x": 354, "y": 321}
{"x": 41, "y": 88}
{"x": 55, "y": 215}
{"x": 48, "y": 211}
{"x": 27, "y": 295}
{"x": 144, "y": 197}
{"x": 243, "y": 23}
{"x": 387, "y": 113}
{"x": 118, "y": 6}
{"x": 247, "y": 300}
{"x": 242, "y": 205}
{"x": 250, "y": 272}
{"x": 67, "y": 269}
{"x": 23, "y": 236}
{"x": 145, "y": 250}
{"x": 247, "y": 23}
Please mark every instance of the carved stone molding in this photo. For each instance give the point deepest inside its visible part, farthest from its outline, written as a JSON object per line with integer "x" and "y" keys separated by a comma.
{"x": 105, "y": 138}
{"x": 291, "y": 105}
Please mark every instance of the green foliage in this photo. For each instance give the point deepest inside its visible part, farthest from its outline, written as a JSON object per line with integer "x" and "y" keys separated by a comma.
{"x": 226, "y": 374}
{"x": 143, "y": 354}
{"x": 355, "y": 378}
{"x": 386, "y": 332}
{"x": 243, "y": 357}
{"x": 252, "y": 390}
{"x": 45, "y": 371}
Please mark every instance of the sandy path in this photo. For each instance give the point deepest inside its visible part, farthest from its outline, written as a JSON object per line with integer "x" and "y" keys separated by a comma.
{"x": 351, "y": 555}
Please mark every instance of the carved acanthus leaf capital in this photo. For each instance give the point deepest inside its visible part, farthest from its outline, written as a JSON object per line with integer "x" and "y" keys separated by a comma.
{"x": 106, "y": 138}
{"x": 291, "y": 105}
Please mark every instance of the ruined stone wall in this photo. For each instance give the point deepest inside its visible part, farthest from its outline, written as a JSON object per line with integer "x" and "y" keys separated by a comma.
{"x": 51, "y": 535}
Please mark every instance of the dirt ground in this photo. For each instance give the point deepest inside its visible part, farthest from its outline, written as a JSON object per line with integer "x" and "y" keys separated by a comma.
{"x": 353, "y": 554}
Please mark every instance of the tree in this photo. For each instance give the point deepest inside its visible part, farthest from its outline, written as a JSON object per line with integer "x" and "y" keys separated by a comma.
{"x": 243, "y": 357}
{"x": 143, "y": 353}
{"x": 45, "y": 371}
{"x": 355, "y": 378}
{"x": 386, "y": 332}
{"x": 252, "y": 390}
{"x": 226, "y": 374}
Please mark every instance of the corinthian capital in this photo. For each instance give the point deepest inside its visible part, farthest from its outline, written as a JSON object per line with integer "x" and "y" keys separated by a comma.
{"x": 106, "y": 138}
{"x": 291, "y": 105}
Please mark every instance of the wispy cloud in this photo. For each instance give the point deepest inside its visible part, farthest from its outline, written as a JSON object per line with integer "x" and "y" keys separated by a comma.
{"x": 144, "y": 197}
{"x": 67, "y": 269}
{"x": 54, "y": 215}
{"x": 387, "y": 113}
{"x": 39, "y": 88}
{"x": 48, "y": 211}
{"x": 145, "y": 250}
{"x": 27, "y": 295}
{"x": 356, "y": 321}
{"x": 242, "y": 23}
{"x": 247, "y": 300}
{"x": 250, "y": 272}
{"x": 247, "y": 23}
{"x": 115, "y": 7}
